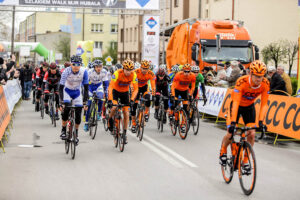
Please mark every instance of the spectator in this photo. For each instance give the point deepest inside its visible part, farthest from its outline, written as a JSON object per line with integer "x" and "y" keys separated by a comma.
{"x": 286, "y": 78}
{"x": 221, "y": 73}
{"x": 234, "y": 75}
{"x": 277, "y": 84}
{"x": 207, "y": 74}
{"x": 27, "y": 79}
{"x": 228, "y": 68}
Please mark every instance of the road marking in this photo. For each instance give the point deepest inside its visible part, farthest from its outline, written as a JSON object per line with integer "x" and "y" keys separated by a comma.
{"x": 170, "y": 151}
{"x": 160, "y": 153}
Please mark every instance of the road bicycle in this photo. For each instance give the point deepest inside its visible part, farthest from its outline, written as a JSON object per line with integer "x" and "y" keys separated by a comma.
{"x": 179, "y": 120}
{"x": 194, "y": 115}
{"x": 52, "y": 108}
{"x": 93, "y": 121}
{"x": 241, "y": 154}
{"x": 161, "y": 112}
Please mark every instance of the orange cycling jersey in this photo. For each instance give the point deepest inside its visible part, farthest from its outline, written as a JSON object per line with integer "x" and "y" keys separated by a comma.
{"x": 182, "y": 82}
{"x": 144, "y": 78}
{"x": 244, "y": 94}
{"x": 121, "y": 83}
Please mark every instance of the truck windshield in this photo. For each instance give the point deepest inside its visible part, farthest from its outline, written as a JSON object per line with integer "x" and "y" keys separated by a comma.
{"x": 242, "y": 54}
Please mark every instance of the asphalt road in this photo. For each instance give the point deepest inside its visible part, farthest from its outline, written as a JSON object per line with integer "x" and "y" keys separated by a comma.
{"x": 160, "y": 167}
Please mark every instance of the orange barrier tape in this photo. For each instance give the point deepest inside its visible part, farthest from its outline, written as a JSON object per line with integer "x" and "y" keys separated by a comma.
{"x": 4, "y": 113}
{"x": 282, "y": 117}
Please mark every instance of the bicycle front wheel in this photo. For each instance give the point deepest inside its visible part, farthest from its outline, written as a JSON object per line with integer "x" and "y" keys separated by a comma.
{"x": 122, "y": 136}
{"x": 228, "y": 169}
{"x": 42, "y": 108}
{"x": 73, "y": 141}
{"x": 142, "y": 127}
{"x": 173, "y": 125}
{"x": 247, "y": 168}
{"x": 183, "y": 124}
{"x": 196, "y": 122}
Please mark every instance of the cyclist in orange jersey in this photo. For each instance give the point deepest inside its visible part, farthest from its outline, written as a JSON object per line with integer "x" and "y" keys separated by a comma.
{"x": 245, "y": 92}
{"x": 119, "y": 89}
{"x": 180, "y": 87}
{"x": 144, "y": 74}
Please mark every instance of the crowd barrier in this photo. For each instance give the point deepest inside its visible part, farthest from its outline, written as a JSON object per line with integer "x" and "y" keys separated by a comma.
{"x": 10, "y": 94}
{"x": 282, "y": 117}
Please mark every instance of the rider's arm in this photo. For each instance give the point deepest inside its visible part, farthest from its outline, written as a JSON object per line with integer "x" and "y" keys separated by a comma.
{"x": 264, "y": 101}
{"x": 37, "y": 78}
{"x": 62, "y": 82}
{"x": 174, "y": 85}
{"x": 135, "y": 87}
{"x": 193, "y": 80}
{"x": 46, "y": 83}
{"x": 114, "y": 79}
{"x": 203, "y": 90}
{"x": 153, "y": 85}
{"x": 236, "y": 98}
{"x": 85, "y": 83}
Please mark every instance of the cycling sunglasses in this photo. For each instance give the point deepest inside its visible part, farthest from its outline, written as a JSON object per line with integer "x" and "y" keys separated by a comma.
{"x": 187, "y": 71}
{"x": 76, "y": 64}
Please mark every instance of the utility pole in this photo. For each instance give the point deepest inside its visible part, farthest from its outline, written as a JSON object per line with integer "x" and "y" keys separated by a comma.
{"x": 83, "y": 24}
{"x": 13, "y": 31}
{"x": 163, "y": 36}
{"x": 123, "y": 37}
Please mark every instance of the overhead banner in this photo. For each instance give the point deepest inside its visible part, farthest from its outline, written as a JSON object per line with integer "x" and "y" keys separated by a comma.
{"x": 143, "y": 4}
{"x": 151, "y": 39}
{"x": 79, "y": 3}
{"x": 98, "y": 4}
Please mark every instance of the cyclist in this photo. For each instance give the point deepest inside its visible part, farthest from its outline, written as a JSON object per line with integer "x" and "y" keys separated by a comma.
{"x": 245, "y": 92}
{"x": 174, "y": 71}
{"x": 40, "y": 84}
{"x": 119, "y": 89}
{"x": 180, "y": 87}
{"x": 143, "y": 76}
{"x": 66, "y": 65}
{"x": 162, "y": 87}
{"x": 98, "y": 79}
{"x": 199, "y": 80}
{"x": 34, "y": 83}
{"x": 71, "y": 82}
{"x": 51, "y": 81}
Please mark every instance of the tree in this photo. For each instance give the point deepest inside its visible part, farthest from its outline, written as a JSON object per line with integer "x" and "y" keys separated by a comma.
{"x": 63, "y": 46}
{"x": 111, "y": 51}
{"x": 275, "y": 51}
{"x": 290, "y": 49}
{"x": 5, "y": 29}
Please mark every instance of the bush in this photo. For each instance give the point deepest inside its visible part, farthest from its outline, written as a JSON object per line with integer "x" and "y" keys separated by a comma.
{"x": 294, "y": 84}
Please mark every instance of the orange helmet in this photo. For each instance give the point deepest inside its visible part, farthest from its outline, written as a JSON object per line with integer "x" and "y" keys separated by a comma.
{"x": 186, "y": 67}
{"x": 128, "y": 64}
{"x": 258, "y": 68}
{"x": 145, "y": 64}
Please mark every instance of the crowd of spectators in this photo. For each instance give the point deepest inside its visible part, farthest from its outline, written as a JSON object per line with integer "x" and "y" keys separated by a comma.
{"x": 226, "y": 75}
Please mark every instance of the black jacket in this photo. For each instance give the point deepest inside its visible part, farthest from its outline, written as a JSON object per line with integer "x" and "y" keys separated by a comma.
{"x": 27, "y": 74}
{"x": 277, "y": 83}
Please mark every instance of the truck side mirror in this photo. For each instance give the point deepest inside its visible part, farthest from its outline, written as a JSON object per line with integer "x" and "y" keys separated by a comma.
{"x": 256, "y": 49}
{"x": 195, "y": 53}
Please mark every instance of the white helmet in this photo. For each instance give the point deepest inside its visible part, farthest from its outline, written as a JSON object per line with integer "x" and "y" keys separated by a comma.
{"x": 195, "y": 68}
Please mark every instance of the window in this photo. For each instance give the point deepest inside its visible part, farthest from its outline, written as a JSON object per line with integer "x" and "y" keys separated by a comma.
{"x": 122, "y": 35}
{"x": 206, "y": 13}
{"x": 114, "y": 12}
{"x": 130, "y": 34}
{"x": 175, "y": 21}
{"x": 97, "y": 28}
{"x": 113, "y": 45}
{"x": 207, "y": 1}
{"x": 126, "y": 36}
{"x": 176, "y": 3}
{"x": 98, "y": 44}
{"x": 97, "y": 11}
{"x": 135, "y": 34}
{"x": 114, "y": 28}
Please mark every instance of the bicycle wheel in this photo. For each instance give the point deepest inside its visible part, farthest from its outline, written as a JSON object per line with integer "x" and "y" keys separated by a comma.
{"x": 139, "y": 122}
{"x": 161, "y": 119}
{"x": 73, "y": 141}
{"x": 54, "y": 112}
{"x": 105, "y": 122}
{"x": 183, "y": 124}
{"x": 95, "y": 125}
{"x": 51, "y": 111}
{"x": 173, "y": 125}
{"x": 142, "y": 127}
{"x": 116, "y": 132}
{"x": 122, "y": 136}
{"x": 196, "y": 121}
{"x": 67, "y": 141}
{"x": 228, "y": 169}
{"x": 91, "y": 118}
{"x": 33, "y": 97}
{"x": 158, "y": 119}
{"x": 247, "y": 177}
{"x": 42, "y": 108}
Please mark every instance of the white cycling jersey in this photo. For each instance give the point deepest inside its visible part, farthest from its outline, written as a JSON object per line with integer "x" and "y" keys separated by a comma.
{"x": 74, "y": 81}
{"x": 95, "y": 78}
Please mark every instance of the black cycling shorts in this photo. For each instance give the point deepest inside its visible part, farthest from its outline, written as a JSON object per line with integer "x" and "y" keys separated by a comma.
{"x": 248, "y": 113}
{"x": 123, "y": 96}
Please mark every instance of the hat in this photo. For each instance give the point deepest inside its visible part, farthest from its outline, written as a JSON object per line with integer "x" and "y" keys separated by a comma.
{"x": 234, "y": 63}
{"x": 271, "y": 69}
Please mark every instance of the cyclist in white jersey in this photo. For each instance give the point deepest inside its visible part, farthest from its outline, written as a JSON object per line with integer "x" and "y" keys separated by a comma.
{"x": 98, "y": 80}
{"x": 70, "y": 89}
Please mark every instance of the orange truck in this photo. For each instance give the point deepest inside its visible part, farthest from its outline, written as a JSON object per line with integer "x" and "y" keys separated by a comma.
{"x": 196, "y": 43}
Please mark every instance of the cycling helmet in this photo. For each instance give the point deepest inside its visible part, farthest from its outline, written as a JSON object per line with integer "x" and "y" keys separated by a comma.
{"x": 75, "y": 59}
{"x": 161, "y": 71}
{"x": 45, "y": 64}
{"x": 118, "y": 66}
{"x": 175, "y": 68}
{"x": 195, "y": 68}
{"x": 52, "y": 65}
{"x": 137, "y": 65}
{"x": 67, "y": 64}
{"x": 128, "y": 64}
{"x": 186, "y": 67}
{"x": 145, "y": 64}
{"x": 90, "y": 65}
{"x": 258, "y": 68}
{"x": 97, "y": 63}
{"x": 163, "y": 66}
